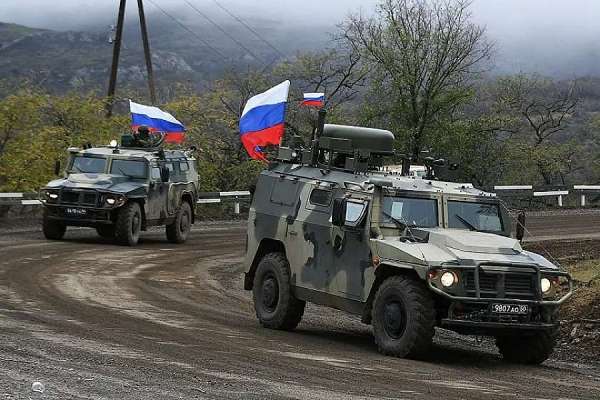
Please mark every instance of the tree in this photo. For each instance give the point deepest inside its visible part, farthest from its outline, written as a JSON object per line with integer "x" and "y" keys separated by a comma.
{"x": 424, "y": 55}
{"x": 544, "y": 108}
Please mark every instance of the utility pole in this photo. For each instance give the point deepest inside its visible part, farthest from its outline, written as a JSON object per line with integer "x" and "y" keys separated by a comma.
{"x": 115, "y": 59}
{"x": 112, "y": 84}
{"x": 147, "y": 51}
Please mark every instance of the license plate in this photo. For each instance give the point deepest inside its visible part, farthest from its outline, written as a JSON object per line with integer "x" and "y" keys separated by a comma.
{"x": 76, "y": 212}
{"x": 518, "y": 309}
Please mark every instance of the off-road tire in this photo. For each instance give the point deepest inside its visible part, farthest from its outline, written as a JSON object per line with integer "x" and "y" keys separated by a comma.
{"x": 403, "y": 317}
{"x": 106, "y": 231}
{"x": 53, "y": 229}
{"x": 534, "y": 349}
{"x": 129, "y": 224}
{"x": 275, "y": 305}
{"x": 178, "y": 230}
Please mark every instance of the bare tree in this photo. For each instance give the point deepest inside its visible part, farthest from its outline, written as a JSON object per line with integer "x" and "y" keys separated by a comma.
{"x": 425, "y": 54}
{"x": 544, "y": 108}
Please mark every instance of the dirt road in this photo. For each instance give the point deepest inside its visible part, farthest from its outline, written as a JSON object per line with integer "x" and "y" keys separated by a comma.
{"x": 90, "y": 319}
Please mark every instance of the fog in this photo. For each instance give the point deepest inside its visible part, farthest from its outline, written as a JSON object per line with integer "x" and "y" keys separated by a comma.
{"x": 554, "y": 37}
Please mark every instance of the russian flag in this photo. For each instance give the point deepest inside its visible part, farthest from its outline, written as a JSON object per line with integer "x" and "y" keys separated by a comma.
{"x": 314, "y": 99}
{"x": 263, "y": 120}
{"x": 157, "y": 121}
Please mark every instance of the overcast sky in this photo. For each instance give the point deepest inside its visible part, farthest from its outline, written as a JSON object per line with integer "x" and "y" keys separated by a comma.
{"x": 535, "y": 29}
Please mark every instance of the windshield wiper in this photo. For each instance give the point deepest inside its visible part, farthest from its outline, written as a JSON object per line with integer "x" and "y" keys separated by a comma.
{"x": 400, "y": 224}
{"x": 466, "y": 223}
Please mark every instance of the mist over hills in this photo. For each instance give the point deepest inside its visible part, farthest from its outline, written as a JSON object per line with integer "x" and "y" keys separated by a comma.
{"x": 72, "y": 50}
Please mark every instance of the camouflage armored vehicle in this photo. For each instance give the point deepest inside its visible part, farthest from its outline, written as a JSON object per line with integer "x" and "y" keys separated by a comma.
{"x": 121, "y": 191}
{"x": 405, "y": 254}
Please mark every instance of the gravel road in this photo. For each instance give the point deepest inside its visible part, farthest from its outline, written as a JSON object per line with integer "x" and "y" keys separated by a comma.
{"x": 93, "y": 320}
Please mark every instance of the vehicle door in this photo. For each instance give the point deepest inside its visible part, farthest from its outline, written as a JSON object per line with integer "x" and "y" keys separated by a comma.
{"x": 157, "y": 195}
{"x": 350, "y": 248}
{"x": 309, "y": 237}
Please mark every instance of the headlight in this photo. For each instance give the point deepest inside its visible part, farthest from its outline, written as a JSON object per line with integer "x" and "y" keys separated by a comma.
{"x": 448, "y": 278}
{"x": 545, "y": 285}
{"x": 114, "y": 200}
{"x": 110, "y": 201}
{"x": 52, "y": 195}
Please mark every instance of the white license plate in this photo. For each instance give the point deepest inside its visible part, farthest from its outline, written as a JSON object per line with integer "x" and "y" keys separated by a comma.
{"x": 502, "y": 308}
{"x": 76, "y": 211}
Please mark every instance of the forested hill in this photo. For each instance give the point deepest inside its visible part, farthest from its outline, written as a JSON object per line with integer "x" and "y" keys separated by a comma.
{"x": 75, "y": 60}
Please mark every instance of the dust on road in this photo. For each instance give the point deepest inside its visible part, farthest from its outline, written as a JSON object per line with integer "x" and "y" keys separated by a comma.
{"x": 91, "y": 319}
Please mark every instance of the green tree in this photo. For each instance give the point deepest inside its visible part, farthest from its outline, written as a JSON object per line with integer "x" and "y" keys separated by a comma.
{"x": 424, "y": 56}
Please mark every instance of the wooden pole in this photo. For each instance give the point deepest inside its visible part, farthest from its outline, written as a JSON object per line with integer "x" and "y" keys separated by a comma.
{"x": 147, "y": 54}
{"x": 115, "y": 59}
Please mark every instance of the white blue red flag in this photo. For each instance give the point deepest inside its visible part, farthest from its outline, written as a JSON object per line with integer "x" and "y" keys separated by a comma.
{"x": 157, "y": 121}
{"x": 314, "y": 99}
{"x": 263, "y": 120}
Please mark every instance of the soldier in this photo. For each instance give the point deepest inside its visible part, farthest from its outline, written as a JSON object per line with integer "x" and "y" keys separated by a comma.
{"x": 142, "y": 138}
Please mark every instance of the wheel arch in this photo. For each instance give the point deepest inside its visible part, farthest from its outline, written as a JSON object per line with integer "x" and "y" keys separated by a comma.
{"x": 383, "y": 272}
{"x": 265, "y": 247}
{"x": 189, "y": 197}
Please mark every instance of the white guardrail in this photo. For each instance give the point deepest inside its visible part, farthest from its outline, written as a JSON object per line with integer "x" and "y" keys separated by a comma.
{"x": 203, "y": 198}
{"x": 583, "y": 190}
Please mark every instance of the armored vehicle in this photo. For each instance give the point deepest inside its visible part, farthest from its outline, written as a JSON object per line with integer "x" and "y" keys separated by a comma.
{"x": 406, "y": 255}
{"x": 121, "y": 191}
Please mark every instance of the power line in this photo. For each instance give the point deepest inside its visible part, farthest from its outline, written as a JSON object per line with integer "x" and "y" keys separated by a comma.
{"x": 223, "y": 31}
{"x": 258, "y": 35}
{"x": 203, "y": 41}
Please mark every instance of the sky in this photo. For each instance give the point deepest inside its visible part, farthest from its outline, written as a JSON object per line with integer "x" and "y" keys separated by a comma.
{"x": 529, "y": 33}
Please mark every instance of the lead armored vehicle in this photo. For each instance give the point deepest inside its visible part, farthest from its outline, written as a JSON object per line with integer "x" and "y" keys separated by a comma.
{"x": 406, "y": 255}
{"x": 121, "y": 191}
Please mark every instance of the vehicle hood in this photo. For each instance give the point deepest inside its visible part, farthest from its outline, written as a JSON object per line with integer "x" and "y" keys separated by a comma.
{"x": 457, "y": 246}
{"x": 107, "y": 182}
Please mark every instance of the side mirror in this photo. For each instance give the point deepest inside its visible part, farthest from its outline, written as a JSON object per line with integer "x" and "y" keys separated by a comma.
{"x": 338, "y": 216}
{"x": 57, "y": 167}
{"x": 520, "y": 225}
{"x": 165, "y": 174}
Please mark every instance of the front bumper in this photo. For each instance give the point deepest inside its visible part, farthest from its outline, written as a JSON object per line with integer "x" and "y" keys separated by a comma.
{"x": 479, "y": 286}
{"x": 494, "y": 328}
{"x": 84, "y": 216}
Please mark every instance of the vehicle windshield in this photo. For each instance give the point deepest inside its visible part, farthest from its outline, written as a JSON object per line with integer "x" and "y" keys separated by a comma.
{"x": 93, "y": 165}
{"x": 474, "y": 216}
{"x": 411, "y": 211}
{"x": 129, "y": 168}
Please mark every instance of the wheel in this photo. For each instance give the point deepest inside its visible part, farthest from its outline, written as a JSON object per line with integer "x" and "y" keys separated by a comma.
{"x": 178, "y": 231}
{"x": 129, "y": 224}
{"x": 275, "y": 305}
{"x": 106, "y": 231}
{"x": 53, "y": 229}
{"x": 403, "y": 317}
{"x": 534, "y": 349}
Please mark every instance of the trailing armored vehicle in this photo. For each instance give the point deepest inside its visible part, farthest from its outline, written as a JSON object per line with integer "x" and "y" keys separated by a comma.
{"x": 122, "y": 191}
{"x": 405, "y": 254}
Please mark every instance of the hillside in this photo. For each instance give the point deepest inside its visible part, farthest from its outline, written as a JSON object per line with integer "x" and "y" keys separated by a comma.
{"x": 63, "y": 61}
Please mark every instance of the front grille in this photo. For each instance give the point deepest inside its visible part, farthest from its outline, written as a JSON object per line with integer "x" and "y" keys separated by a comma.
{"x": 83, "y": 197}
{"x": 500, "y": 285}
{"x": 68, "y": 196}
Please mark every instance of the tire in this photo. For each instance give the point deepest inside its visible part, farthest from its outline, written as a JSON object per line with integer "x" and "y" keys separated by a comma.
{"x": 534, "y": 349}
{"x": 129, "y": 224}
{"x": 403, "y": 317}
{"x": 275, "y": 305}
{"x": 177, "y": 232}
{"x": 53, "y": 229}
{"x": 106, "y": 231}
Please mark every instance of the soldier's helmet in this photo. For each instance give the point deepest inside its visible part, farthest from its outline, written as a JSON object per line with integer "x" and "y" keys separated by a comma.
{"x": 143, "y": 131}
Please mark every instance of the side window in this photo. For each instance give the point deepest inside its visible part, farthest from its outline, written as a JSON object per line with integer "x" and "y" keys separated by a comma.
{"x": 155, "y": 173}
{"x": 183, "y": 166}
{"x": 320, "y": 197}
{"x": 354, "y": 211}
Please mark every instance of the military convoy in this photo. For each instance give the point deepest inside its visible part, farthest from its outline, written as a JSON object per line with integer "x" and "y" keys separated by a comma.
{"x": 122, "y": 191}
{"x": 407, "y": 255}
